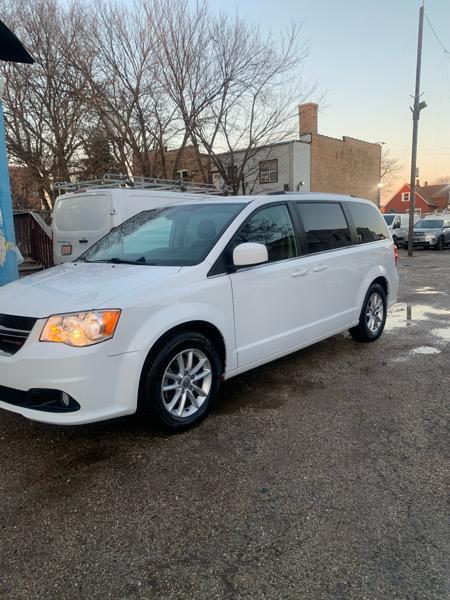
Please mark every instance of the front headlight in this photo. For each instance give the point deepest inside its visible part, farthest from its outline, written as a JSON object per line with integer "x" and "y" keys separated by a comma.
{"x": 81, "y": 329}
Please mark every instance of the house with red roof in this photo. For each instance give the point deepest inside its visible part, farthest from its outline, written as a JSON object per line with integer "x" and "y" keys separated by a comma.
{"x": 429, "y": 199}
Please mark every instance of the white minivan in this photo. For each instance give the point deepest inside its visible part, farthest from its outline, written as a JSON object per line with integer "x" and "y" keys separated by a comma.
{"x": 179, "y": 298}
{"x": 82, "y": 217}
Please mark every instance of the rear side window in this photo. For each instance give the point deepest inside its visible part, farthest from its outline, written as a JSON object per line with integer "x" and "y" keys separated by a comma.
{"x": 82, "y": 213}
{"x": 271, "y": 226}
{"x": 325, "y": 226}
{"x": 370, "y": 225}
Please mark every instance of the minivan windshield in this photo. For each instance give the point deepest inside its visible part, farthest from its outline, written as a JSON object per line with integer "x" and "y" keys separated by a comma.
{"x": 389, "y": 219}
{"x": 180, "y": 235}
{"x": 429, "y": 224}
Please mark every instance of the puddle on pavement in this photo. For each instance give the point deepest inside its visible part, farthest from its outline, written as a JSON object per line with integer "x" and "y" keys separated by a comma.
{"x": 443, "y": 333}
{"x": 404, "y": 315}
{"x": 425, "y": 350}
{"x": 427, "y": 290}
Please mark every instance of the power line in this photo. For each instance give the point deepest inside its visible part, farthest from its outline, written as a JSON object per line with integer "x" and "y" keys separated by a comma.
{"x": 436, "y": 35}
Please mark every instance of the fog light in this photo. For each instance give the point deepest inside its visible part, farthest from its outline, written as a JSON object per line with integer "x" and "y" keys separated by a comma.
{"x": 65, "y": 399}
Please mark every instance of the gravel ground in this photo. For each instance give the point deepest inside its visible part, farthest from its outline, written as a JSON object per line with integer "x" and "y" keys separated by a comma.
{"x": 322, "y": 475}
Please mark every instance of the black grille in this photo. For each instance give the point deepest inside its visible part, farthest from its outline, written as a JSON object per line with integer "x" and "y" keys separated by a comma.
{"x": 14, "y": 331}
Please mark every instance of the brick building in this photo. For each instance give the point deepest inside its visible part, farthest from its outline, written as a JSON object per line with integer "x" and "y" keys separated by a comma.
{"x": 428, "y": 199}
{"x": 313, "y": 162}
{"x": 191, "y": 166}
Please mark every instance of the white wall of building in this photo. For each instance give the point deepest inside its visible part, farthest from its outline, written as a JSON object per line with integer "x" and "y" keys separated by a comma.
{"x": 293, "y": 167}
{"x": 302, "y": 167}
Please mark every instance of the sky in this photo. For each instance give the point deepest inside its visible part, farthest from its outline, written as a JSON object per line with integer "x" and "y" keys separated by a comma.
{"x": 363, "y": 56}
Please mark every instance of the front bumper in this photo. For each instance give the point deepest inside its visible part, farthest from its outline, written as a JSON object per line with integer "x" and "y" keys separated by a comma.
{"x": 102, "y": 386}
{"x": 424, "y": 242}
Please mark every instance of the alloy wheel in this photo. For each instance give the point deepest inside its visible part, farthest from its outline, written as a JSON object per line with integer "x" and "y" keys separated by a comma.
{"x": 374, "y": 312}
{"x": 186, "y": 383}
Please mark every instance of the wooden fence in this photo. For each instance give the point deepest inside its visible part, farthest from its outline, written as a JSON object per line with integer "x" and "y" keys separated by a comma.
{"x": 33, "y": 237}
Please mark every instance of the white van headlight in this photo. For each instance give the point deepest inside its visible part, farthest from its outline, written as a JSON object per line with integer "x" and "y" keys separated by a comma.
{"x": 81, "y": 329}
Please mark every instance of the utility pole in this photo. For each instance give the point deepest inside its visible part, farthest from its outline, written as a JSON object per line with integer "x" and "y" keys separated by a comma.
{"x": 418, "y": 106}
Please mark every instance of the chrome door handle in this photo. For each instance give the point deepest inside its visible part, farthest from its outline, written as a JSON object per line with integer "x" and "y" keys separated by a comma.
{"x": 299, "y": 273}
{"x": 318, "y": 268}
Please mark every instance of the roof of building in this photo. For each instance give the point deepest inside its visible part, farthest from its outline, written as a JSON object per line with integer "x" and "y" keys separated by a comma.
{"x": 432, "y": 191}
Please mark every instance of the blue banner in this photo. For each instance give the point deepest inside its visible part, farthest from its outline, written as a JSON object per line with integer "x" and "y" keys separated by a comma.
{"x": 8, "y": 256}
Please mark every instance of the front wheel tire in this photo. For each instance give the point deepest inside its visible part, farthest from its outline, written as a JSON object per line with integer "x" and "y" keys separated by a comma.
{"x": 440, "y": 244}
{"x": 373, "y": 315}
{"x": 181, "y": 381}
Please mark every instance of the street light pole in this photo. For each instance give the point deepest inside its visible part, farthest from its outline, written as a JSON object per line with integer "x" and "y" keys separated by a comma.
{"x": 418, "y": 106}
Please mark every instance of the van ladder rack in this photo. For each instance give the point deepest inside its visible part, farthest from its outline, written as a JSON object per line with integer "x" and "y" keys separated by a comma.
{"x": 113, "y": 180}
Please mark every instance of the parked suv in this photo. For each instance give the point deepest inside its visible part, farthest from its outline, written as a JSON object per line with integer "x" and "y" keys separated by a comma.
{"x": 179, "y": 298}
{"x": 432, "y": 232}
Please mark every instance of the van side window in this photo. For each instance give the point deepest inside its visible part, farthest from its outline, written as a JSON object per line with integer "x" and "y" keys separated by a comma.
{"x": 325, "y": 226}
{"x": 370, "y": 225}
{"x": 271, "y": 226}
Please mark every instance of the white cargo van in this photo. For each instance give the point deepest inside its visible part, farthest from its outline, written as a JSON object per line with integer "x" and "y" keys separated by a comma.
{"x": 82, "y": 217}
{"x": 398, "y": 224}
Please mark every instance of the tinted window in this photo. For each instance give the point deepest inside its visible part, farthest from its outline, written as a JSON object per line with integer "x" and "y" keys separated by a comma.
{"x": 389, "y": 219}
{"x": 325, "y": 226}
{"x": 272, "y": 227}
{"x": 370, "y": 225}
{"x": 179, "y": 235}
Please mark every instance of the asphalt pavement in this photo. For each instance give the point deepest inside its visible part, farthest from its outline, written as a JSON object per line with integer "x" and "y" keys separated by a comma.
{"x": 322, "y": 475}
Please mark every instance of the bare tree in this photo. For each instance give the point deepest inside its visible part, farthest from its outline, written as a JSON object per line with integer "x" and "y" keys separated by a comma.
{"x": 443, "y": 180}
{"x": 44, "y": 102}
{"x": 117, "y": 84}
{"x": 234, "y": 88}
{"x": 123, "y": 92}
{"x": 390, "y": 167}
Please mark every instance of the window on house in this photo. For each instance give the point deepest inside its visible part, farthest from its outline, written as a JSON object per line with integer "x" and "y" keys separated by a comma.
{"x": 183, "y": 174}
{"x": 405, "y": 196}
{"x": 268, "y": 171}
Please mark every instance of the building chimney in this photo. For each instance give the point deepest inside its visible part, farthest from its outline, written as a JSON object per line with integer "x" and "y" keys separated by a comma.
{"x": 307, "y": 115}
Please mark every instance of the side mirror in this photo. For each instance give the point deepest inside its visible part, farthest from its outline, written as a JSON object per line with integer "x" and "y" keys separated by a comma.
{"x": 250, "y": 253}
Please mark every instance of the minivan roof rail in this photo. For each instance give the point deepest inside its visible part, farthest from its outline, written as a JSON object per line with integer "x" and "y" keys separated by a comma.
{"x": 115, "y": 180}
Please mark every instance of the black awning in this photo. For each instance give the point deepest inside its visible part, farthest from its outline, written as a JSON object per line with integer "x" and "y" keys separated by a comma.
{"x": 11, "y": 48}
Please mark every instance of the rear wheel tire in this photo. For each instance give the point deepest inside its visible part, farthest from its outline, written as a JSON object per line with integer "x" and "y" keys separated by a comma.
{"x": 181, "y": 381}
{"x": 373, "y": 315}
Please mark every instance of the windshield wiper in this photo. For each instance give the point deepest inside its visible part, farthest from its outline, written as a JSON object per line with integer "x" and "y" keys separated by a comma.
{"x": 122, "y": 261}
